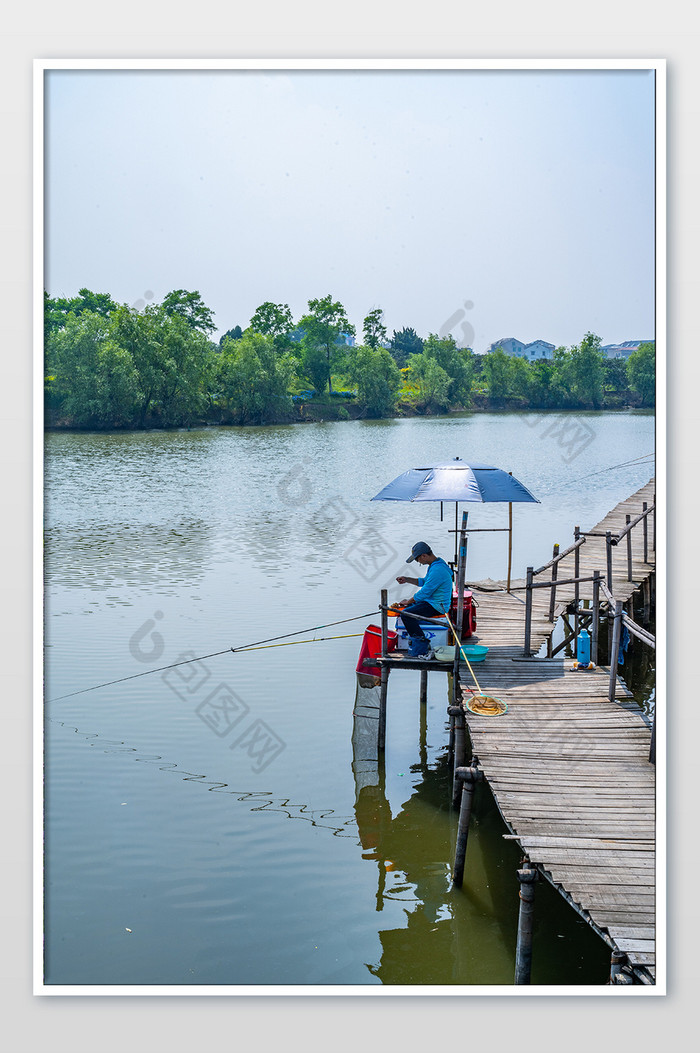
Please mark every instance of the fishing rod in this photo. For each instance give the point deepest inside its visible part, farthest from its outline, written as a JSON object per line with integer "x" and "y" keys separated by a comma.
{"x": 258, "y": 644}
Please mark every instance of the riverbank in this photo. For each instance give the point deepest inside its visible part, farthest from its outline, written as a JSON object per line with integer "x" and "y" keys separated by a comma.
{"x": 318, "y": 411}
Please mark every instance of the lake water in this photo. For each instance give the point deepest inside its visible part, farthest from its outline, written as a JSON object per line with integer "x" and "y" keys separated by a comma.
{"x": 203, "y": 825}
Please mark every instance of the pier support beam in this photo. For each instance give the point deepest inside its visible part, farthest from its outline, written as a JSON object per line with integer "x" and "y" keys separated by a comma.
{"x": 469, "y": 777}
{"x": 460, "y": 751}
{"x": 617, "y": 962}
{"x": 523, "y": 950}
{"x": 423, "y": 695}
{"x": 384, "y": 683}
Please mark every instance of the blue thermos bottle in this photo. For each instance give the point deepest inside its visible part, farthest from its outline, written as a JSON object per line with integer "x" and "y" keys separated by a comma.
{"x": 583, "y": 648}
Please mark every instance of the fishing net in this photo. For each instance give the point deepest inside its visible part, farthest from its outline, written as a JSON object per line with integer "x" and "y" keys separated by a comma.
{"x": 486, "y": 705}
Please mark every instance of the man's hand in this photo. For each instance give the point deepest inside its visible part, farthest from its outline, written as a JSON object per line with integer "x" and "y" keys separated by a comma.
{"x": 403, "y": 581}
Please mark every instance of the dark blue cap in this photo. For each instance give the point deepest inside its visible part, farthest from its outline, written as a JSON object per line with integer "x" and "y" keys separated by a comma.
{"x": 419, "y": 549}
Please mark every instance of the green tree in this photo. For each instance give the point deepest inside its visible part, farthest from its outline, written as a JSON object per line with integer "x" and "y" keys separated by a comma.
{"x": 519, "y": 377}
{"x": 56, "y": 310}
{"x": 432, "y": 382}
{"x": 405, "y": 342}
{"x": 545, "y": 389}
{"x": 615, "y": 379}
{"x": 91, "y": 382}
{"x": 641, "y": 370}
{"x": 173, "y": 361}
{"x": 190, "y": 307}
{"x": 253, "y": 380}
{"x": 274, "y": 320}
{"x": 373, "y": 328}
{"x": 456, "y": 362}
{"x": 323, "y": 326}
{"x": 378, "y": 380}
{"x": 586, "y": 372}
{"x": 233, "y": 334}
{"x": 496, "y": 374}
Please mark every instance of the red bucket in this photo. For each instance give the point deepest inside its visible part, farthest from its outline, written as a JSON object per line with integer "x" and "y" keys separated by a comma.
{"x": 372, "y": 646}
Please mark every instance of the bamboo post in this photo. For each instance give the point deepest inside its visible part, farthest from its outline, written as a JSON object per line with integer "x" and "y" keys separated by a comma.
{"x": 469, "y": 778}
{"x": 523, "y": 950}
{"x": 645, "y": 532}
{"x": 615, "y": 649}
{"x": 653, "y": 540}
{"x": 608, "y": 554}
{"x": 596, "y": 616}
{"x": 460, "y": 754}
{"x": 553, "y": 590}
{"x": 528, "y": 612}
{"x": 384, "y": 682}
{"x": 629, "y": 548}
{"x": 577, "y": 568}
{"x": 423, "y": 686}
{"x": 461, "y": 574}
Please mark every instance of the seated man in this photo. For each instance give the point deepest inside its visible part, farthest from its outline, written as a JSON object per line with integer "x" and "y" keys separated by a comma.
{"x": 431, "y": 600}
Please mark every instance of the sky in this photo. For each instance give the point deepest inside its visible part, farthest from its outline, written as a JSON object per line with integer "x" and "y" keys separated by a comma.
{"x": 481, "y": 203}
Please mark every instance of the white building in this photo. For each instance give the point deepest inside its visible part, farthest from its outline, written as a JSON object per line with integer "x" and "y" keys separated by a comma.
{"x": 623, "y": 350}
{"x": 535, "y": 350}
{"x": 509, "y": 344}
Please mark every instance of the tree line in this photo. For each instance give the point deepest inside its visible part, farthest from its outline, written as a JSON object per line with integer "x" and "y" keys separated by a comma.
{"x": 109, "y": 365}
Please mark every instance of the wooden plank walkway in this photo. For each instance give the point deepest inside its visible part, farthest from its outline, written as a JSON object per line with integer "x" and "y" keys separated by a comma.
{"x": 569, "y": 769}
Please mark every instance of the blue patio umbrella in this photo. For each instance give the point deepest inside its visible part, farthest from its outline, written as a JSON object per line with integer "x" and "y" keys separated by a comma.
{"x": 459, "y": 481}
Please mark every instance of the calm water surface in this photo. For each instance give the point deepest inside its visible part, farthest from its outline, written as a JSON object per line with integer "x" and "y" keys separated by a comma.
{"x": 203, "y": 825}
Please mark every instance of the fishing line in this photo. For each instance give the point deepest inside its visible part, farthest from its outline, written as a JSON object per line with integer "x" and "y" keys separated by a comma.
{"x": 257, "y": 645}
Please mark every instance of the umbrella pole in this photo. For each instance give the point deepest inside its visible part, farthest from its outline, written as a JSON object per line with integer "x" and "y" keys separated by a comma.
{"x": 510, "y": 540}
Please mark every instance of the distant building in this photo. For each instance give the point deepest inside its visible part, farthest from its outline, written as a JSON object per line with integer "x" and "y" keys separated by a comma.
{"x": 535, "y": 350}
{"x": 509, "y": 344}
{"x": 623, "y": 350}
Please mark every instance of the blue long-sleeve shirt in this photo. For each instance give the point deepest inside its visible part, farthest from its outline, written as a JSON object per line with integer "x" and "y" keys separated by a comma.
{"x": 436, "y": 587}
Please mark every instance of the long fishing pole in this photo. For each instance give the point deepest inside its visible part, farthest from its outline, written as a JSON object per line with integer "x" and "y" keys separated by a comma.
{"x": 215, "y": 654}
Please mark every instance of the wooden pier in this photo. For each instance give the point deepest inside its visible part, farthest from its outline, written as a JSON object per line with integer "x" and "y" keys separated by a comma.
{"x": 570, "y": 763}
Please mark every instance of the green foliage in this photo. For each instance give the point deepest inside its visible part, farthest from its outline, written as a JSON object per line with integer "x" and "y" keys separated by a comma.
{"x": 253, "y": 380}
{"x": 56, "y": 311}
{"x": 378, "y": 380}
{"x": 231, "y": 334}
{"x": 496, "y": 374}
{"x": 583, "y": 373}
{"x": 457, "y": 364}
{"x": 615, "y": 379}
{"x": 190, "y": 307}
{"x": 405, "y": 342}
{"x": 432, "y": 382}
{"x": 274, "y": 320}
{"x": 373, "y": 328}
{"x": 323, "y": 327}
{"x": 641, "y": 370}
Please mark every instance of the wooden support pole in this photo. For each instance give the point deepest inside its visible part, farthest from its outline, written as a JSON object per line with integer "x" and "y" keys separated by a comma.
{"x": 629, "y": 548}
{"x": 645, "y": 531}
{"x": 646, "y": 593}
{"x": 553, "y": 591}
{"x": 652, "y": 747}
{"x": 528, "y": 612}
{"x": 596, "y": 617}
{"x": 577, "y": 568}
{"x": 615, "y": 649}
{"x": 609, "y": 558}
{"x": 469, "y": 778}
{"x": 653, "y": 540}
{"x": 523, "y": 950}
{"x": 617, "y": 960}
{"x": 460, "y": 753}
{"x": 384, "y": 682}
{"x": 423, "y": 686}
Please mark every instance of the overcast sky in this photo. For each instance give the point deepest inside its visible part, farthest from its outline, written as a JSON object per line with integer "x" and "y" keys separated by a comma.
{"x": 487, "y": 203}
